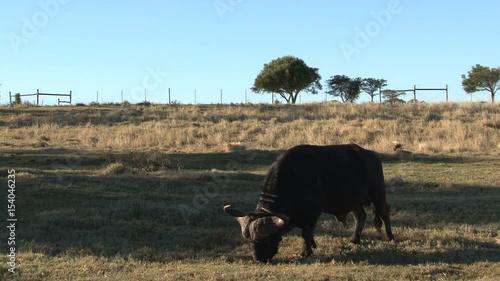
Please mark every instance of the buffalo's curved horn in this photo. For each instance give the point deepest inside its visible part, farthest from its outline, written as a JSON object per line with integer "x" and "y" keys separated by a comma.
{"x": 241, "y": 217}
{"x": 233, "y": 212}
{"x": 284, "y": 217}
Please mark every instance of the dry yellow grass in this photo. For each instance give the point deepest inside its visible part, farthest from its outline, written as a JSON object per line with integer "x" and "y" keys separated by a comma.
{"x": 427, "y": 128}
{"x": 103, "y": 194}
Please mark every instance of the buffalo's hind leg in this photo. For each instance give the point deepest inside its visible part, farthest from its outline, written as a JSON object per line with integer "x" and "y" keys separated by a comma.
{"x": 382, "y": 213}
{"x": 360, "y": 218}
{"x": 387, "y": 221}
{"x": 377, "y": 222}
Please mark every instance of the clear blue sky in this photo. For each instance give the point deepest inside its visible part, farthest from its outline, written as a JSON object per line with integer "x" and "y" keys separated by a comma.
{"x": 208, "y": 45}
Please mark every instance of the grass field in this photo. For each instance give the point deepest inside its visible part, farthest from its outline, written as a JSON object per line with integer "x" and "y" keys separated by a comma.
{"x": 136, "y": 193}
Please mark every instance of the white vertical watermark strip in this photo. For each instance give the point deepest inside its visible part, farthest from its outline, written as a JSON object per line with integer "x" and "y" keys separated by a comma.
{"x": 11, "y": 220}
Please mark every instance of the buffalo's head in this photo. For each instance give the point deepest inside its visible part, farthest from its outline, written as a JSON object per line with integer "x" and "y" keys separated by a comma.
{"x": 264, "y": 229}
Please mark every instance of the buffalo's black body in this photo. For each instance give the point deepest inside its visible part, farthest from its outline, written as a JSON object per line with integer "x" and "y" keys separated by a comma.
{"x": 309, "y": 180}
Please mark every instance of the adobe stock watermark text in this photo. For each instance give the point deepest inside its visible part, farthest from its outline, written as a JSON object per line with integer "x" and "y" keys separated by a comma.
{"x": 11, "y": 220}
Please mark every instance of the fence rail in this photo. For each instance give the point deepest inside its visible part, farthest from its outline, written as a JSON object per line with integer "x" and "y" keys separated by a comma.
{"x": 38, "y": 94}
{"x": 415, "y": 89}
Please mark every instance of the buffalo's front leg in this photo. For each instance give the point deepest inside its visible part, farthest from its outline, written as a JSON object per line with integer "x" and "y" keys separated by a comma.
{"x": 377, "y": 222}
{"x": 360, "y": 218}
{"x": 309, "y": 243}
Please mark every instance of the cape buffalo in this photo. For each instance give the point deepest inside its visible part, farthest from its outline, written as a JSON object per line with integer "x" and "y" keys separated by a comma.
{"x": 306, "y": 181}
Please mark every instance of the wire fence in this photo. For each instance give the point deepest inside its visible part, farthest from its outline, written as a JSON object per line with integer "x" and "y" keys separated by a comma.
{"x": 197, "y": 96}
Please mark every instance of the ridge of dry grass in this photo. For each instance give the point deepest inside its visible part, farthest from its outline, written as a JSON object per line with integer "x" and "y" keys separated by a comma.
{"x": 427, "y": 128}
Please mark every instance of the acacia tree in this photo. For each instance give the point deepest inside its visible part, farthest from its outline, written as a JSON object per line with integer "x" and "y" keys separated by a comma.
{"x": 482, "y": 78}
{"x": 342, "y": 86}
{"x": 371, "y": 85}
{"x": 392, "y": 96}
{"x": 287, "y": 76}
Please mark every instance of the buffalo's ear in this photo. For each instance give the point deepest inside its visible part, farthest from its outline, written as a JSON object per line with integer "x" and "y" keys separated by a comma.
{"x": 266, "y": 226}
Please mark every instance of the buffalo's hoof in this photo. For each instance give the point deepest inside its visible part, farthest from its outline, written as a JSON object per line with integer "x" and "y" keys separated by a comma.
{"x": 355, "y": 240}
{"x": 306, "y": 253}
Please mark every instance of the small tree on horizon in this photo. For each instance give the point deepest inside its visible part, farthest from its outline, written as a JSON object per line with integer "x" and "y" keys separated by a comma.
{"x": 287, "y": 76}
{"x": 371, "y": 85}
{"x": 392, "y": 96}
{"x": 17, "y": 99}
{"x": 482, "y": 78}
{"x": 346, "y": 88}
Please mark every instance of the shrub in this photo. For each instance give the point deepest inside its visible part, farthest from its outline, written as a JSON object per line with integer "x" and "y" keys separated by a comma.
{"x": 115, "y": 169}
{"x": 143, "y": 161}
{"x": 17, "y": 99}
